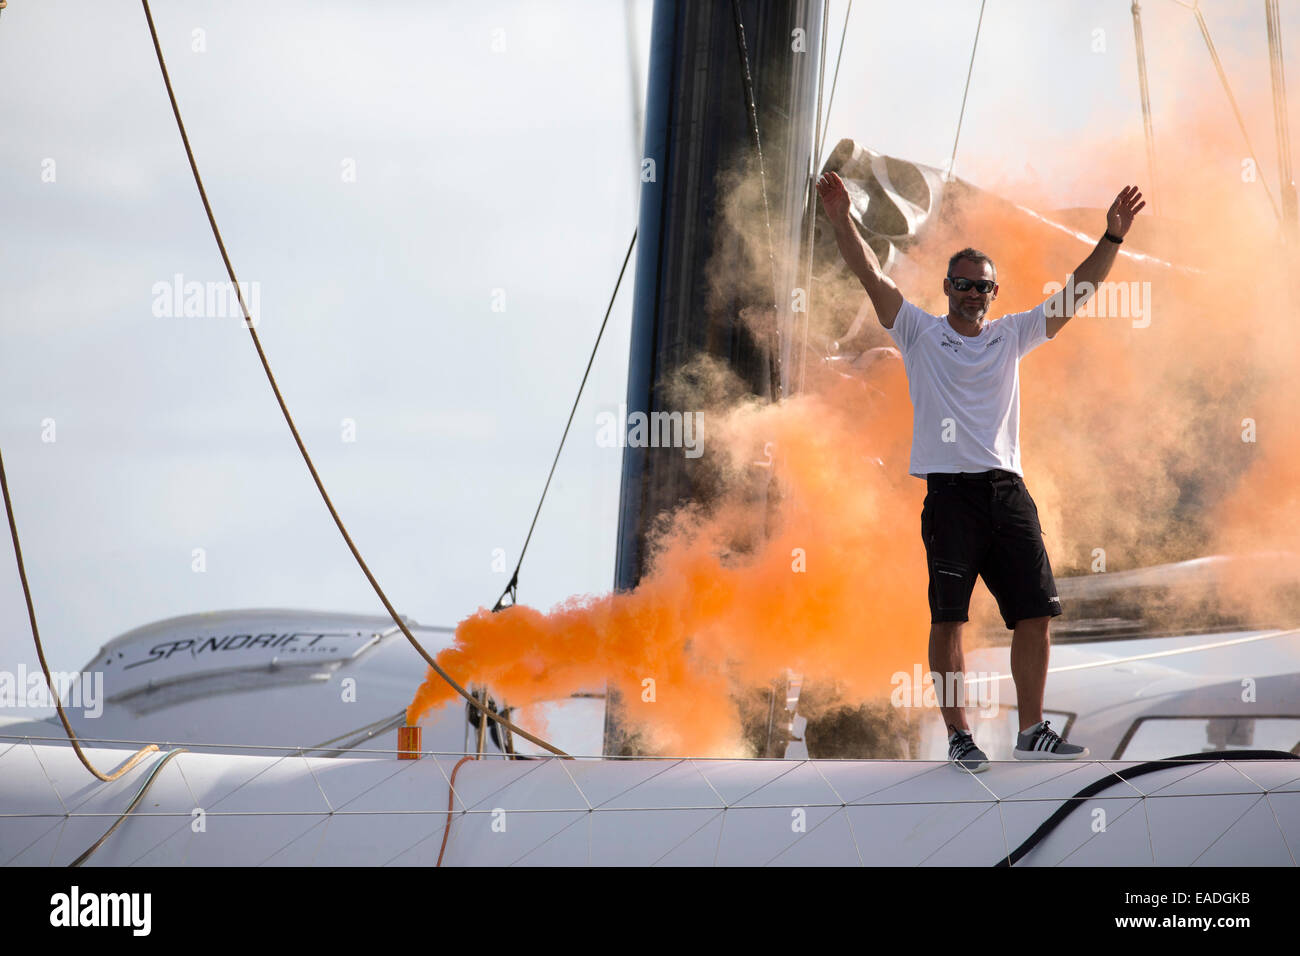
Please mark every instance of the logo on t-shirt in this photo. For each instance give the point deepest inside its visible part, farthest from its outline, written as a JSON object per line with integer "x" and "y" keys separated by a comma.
{"x": 951, "y": 343}
{"x": 994, "y": 341}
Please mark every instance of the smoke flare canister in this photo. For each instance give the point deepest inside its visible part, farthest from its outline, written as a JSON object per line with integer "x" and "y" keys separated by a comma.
{"x": 408, "y": 743}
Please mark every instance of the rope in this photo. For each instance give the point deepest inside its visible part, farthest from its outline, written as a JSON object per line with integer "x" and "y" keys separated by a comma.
{"x": 513, "y": 586}
{"x": 751, "y": 113}
{"x": 451, "y": 796}
{"x": 248, "y": 321}
{"x": 1128, "y": 773}
{"x": 969, "y": 70}
{"x": 40, "y": 651}
{"x": 1232, "y": 101}
{"x": 131, "y": 806}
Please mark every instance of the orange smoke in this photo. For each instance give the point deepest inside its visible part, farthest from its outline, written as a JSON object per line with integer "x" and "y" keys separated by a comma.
{"x": 831, "y": 590}
{"x": 1137, "y": 441}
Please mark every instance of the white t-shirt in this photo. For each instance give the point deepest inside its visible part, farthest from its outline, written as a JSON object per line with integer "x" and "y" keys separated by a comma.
{"x": 965, "y": 390}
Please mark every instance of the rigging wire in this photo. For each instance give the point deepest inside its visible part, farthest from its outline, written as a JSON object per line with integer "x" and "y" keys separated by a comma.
{"x": 952, "y": 163}
{"x": 320, "y": 486}
{"x": 360, "y": 735}
{"x": 810, "y": 203}
{"x": 751, "y": 113}
{"x": 513, "y": 587}
{"x": 823, "y": 126}
{"x": 40, "y": 651}
{"x": 1147, "y": 126}
{"x": 1277, "y": 78}
{"x": 1281, "y": 123}
{"x": 839, "y": 58}
{"x": 1232, "y": 101}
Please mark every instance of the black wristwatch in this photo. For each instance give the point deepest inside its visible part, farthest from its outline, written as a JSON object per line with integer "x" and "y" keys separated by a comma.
{"x": 1115, "y": 239}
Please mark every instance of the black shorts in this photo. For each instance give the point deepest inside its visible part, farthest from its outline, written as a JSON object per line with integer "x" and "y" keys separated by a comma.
{"x": 986, "y": 525}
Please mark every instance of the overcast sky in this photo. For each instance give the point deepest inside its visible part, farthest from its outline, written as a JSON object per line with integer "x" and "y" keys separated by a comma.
{"x": 493, "y": 149}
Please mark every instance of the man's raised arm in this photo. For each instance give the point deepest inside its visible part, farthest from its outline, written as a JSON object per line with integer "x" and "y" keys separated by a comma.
{"x": 862, "y": 262}
{"x": 1093, "y": 270}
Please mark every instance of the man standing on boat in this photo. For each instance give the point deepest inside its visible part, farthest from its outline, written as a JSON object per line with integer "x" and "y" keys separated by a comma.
{"x": 978, "y": 519}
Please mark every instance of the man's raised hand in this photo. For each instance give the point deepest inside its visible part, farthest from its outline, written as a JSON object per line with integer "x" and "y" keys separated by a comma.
{"x": 835, "y": 198}
{"x": 1120, "y": 215}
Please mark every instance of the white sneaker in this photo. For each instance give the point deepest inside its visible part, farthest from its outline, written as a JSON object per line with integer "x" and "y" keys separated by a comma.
{"x": 1043, "y": 743}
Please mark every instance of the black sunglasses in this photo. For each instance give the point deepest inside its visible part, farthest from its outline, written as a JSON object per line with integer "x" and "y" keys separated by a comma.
{"x": 982, "y": 286}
